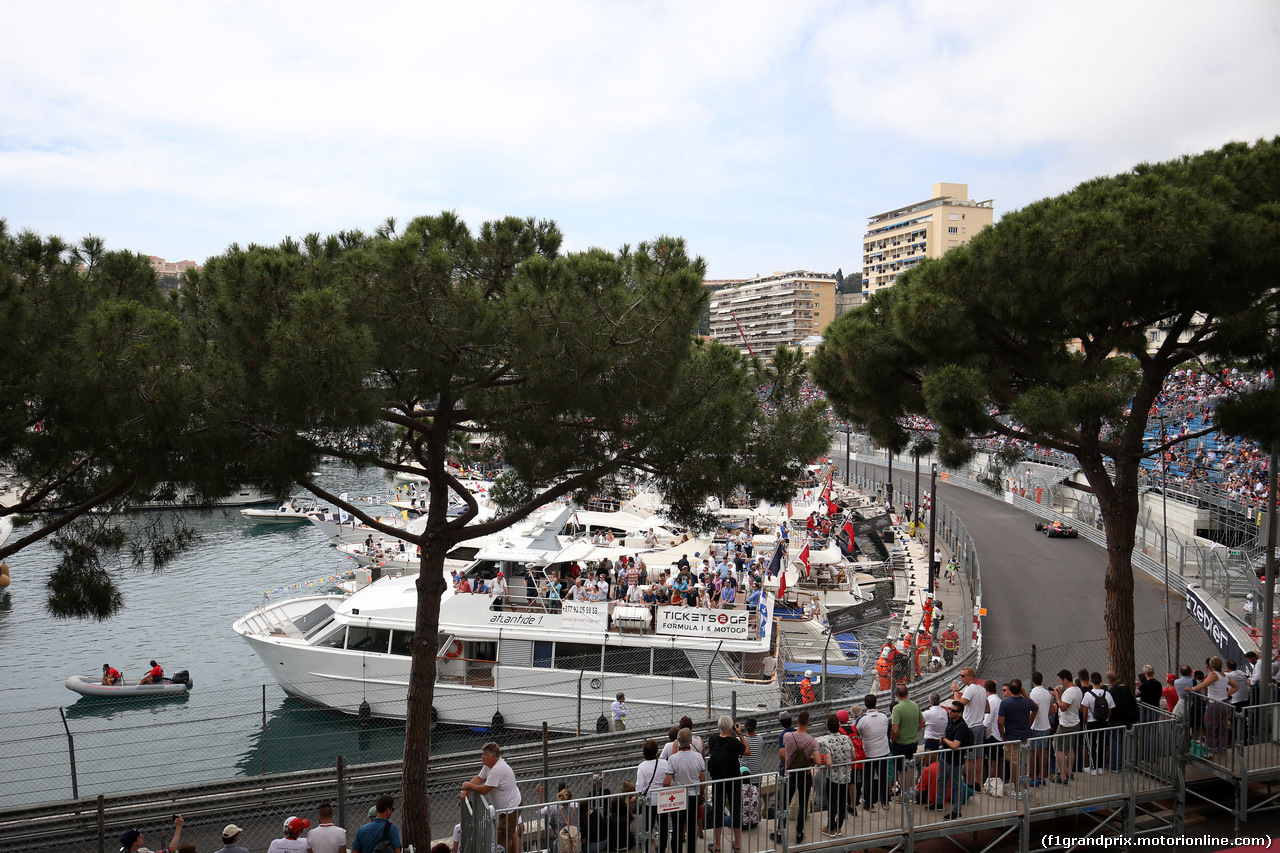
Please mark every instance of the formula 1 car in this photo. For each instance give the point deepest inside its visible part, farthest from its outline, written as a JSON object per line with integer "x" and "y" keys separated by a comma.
{"x": 1056, "y": 529}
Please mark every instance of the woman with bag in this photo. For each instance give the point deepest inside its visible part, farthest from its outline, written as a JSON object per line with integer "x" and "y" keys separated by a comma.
{"x": 802, "y": 754}
{"x": 649, "y": 776}
{"x": 561, "y": 821}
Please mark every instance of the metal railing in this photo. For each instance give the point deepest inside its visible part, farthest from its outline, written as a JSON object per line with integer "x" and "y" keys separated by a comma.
{"x": 1113, "y": 773}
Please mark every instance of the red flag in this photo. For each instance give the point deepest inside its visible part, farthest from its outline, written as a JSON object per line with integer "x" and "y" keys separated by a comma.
{"x": 832, "y": 508}
{"x": 782, "y": 584}
{"x": 804, "y": 558}
{"x": 788, "y": 509}
{"x": 848, "y": 529}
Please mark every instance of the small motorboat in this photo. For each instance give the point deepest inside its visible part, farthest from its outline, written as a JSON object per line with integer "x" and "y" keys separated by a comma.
{"x": 91, "y": 685}
{"x": 291, "y": 512}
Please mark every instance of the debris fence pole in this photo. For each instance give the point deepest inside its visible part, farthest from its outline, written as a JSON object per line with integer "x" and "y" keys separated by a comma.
{"x": 71, "y": 751}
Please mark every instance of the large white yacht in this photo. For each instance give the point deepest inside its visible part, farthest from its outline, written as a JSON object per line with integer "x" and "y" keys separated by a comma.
{"x": 532, "y": 659}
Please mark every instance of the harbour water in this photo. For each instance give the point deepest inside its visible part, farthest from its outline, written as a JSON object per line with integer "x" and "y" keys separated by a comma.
{"x": 236, "y": 722}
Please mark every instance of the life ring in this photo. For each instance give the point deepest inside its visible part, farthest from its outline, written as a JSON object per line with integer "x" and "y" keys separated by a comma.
{"x": 455, "y": 651}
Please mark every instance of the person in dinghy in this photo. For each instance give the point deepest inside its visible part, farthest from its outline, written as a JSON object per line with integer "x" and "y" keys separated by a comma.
{"x": 155, "y": 675}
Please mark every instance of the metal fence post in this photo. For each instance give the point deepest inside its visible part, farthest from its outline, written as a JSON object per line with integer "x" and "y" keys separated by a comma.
{"x": 342, "y": 791}
{"x": 1033, "y": 657}
{"x": 1130, "y": 770}
{"x": 733, "y": 703}
{"x": 102, "y": 824}
{"x": 1023, "y": 782}
{"x": 71, "y": 751}
{"x": 546, "y": 747}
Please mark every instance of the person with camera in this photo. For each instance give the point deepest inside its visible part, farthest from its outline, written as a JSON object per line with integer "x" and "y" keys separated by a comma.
{"x": 131, "y": 839}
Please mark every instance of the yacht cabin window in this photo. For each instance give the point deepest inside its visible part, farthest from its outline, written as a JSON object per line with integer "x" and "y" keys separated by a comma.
{"x": 627, "y": 659}
{"x": 578, "y": 656}
{"x": 336, "y": 640}
{"x": 402, "y": 643}
{"x": 368, "y": 639}
{"x": 673, "y": 662}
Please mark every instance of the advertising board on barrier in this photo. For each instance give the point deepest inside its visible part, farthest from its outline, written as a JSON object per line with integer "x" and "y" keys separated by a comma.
{"x": 871, "y": 526}
{"x": 695, "y": 622}
{"x": 847, "y": 618}
{"x": 1204, "y": 615}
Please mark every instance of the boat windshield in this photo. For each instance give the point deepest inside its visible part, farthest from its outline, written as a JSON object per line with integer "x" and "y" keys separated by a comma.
{"x": 324, "y": 624}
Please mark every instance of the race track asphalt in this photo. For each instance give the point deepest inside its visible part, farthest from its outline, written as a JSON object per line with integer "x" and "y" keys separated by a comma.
{"x": 1051, "y": 592}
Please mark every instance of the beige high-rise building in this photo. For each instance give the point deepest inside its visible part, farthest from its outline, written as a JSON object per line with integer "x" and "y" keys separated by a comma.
{"x": 899, "y": 239}
{"x": 783, "y": 308}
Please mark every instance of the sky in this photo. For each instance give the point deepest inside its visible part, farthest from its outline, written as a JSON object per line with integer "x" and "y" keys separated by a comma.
{"x": 765, "y": 134}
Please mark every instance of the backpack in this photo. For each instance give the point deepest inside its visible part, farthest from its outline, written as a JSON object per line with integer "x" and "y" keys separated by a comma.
{"x": 568, "y": 839}
{"x": 799, "y": 759}
{"x": 384, "y": 843}
{"x": 1101, "y": 711}
{"x": 859, "y": 753}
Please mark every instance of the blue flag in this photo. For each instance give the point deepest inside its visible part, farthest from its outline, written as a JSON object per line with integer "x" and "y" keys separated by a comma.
{"x": 775, "y": 562}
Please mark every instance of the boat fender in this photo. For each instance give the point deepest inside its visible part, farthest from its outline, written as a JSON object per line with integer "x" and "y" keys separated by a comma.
{"x": 455, "y": 651}
{"x": 365, "y": 713}
{"x": 4, "y": 575}
{"x": 602, "y": 725}
{"x": 435, "y": 717}
{"x": 498, "y": 723}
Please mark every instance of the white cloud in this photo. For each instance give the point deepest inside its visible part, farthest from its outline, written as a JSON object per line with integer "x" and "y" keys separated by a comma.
{"x": 1110, "y": 77}
{"x": 765, "y": 133}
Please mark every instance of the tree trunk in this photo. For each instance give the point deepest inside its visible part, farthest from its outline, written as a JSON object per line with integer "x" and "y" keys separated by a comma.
{"x": 415, "y": 816}
{"x": 1118, "y": 503}
{"x": 1120, "y": 522}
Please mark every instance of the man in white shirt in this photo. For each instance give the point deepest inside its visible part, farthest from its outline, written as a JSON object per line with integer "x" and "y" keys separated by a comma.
{"x": 1091, "y": 703}
{"x": 325, "y": 837}
{"x": 973, "y": 696}
{"x": 1067, "y": 696}
{"x": 619, "y": 710}
{"x": 935, "y": 723}
{"x": 687, "y": 768}
{"x": 499, "y": 590}
{"x": 291, "y": 843}
{"x": 991, "y": 726}
{"x": 873, "y": 727}
{"x": 497, "y": 780}
{"x": 1040, "y": 729}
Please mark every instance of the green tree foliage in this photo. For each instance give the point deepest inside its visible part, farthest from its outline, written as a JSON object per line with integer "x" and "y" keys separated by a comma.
{"x": 1038, "y": 329}
{"x": 98, "y": 406}
{"x": 385, "y": 349}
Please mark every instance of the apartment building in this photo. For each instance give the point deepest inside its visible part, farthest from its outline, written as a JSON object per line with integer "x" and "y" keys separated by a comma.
{"x": 899, "y": 239}
{"x": 783, "y": 308}
{"x": 170, "y": 272}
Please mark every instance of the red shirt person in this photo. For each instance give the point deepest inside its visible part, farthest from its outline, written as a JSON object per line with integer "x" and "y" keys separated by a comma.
{"x": 154, "y": 675}
{"x": 110, "y": 675}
